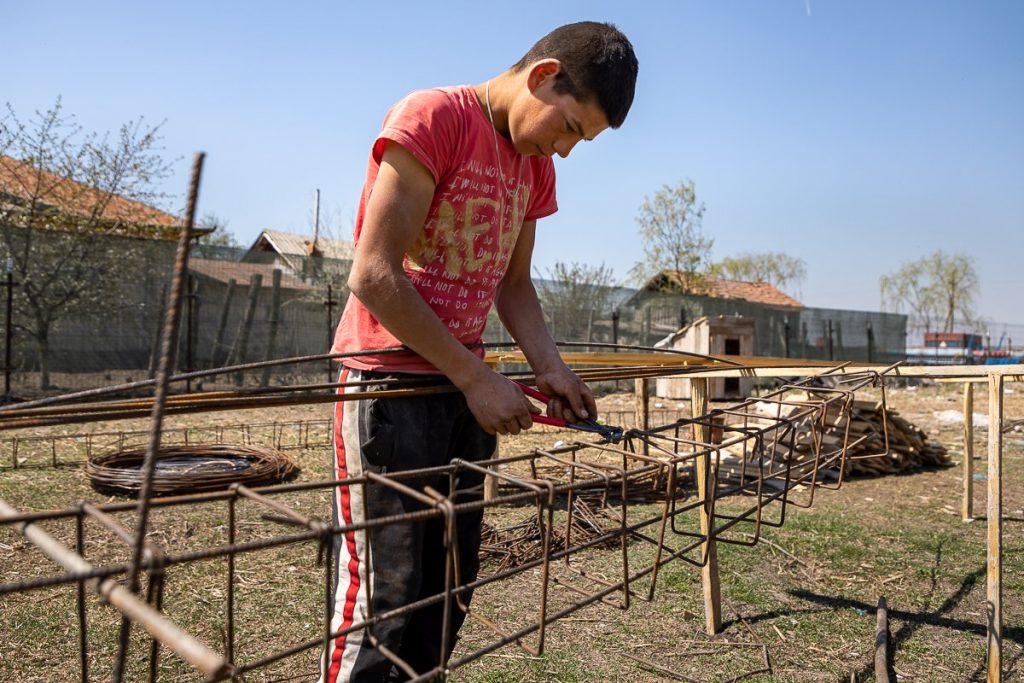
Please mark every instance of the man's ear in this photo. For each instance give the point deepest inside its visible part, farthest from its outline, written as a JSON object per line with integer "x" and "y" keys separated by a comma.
{"x": 541, "y": 72}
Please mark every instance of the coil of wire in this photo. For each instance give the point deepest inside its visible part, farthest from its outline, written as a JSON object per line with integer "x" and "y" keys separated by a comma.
{"x": 189, "y": 469}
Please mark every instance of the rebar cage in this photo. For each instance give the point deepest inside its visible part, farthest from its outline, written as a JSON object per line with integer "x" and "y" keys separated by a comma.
{"x": 658, "y": 496}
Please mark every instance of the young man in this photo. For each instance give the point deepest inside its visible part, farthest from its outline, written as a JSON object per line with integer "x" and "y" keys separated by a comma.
{"x": 457, "y": 179}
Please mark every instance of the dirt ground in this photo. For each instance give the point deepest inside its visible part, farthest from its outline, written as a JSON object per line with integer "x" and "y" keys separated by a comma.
{"x": 805, "y": 596}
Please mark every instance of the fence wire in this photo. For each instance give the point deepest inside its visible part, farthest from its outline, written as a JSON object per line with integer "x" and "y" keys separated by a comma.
{"x": 87, "y": 310}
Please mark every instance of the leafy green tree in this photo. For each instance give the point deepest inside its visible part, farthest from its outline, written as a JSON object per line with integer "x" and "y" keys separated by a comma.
{"x": 56, "y": 186}
{"x": 782, "y": 270}
{"x": 935, "y": 290}
{"x": 572, "y": 296}
{"x": 670, "y": 226}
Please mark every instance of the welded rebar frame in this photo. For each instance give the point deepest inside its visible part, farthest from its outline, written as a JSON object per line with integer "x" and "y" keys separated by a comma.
{"x": 602, "y": 472}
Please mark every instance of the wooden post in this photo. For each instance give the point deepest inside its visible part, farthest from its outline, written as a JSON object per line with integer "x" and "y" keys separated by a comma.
{"x": 222, "y": 324}
{"x": 882, "y": 643}
{"x": 491, "y": 482}
{"x": 709, "y": 572}
{"x": 242, "y": 341}
{"x": 154, "y": 348}
{"x": 329, "y": 304}
{"x": 994, "y": 513}
{"x": 643, "y": 413}
{"x": 967, "y": 507}
{"x": 275, "y": 319}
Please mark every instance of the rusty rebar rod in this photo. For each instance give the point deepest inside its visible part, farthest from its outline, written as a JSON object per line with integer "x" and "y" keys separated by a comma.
{"x": 211, "y": 665}
{"x": 168, "y": 354}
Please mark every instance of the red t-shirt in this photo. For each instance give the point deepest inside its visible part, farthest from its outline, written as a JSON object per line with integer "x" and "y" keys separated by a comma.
{"x": 464, "y": 248}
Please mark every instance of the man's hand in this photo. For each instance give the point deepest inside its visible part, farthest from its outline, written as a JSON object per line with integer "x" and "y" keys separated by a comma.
{"x": 498, "y": 404}
{"x": 571, "y": 398}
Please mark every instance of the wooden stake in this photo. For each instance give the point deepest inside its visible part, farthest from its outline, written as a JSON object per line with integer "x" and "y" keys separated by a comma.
{"x": 275, "y": 319}
{"x": 237, "y": 355}
{"x": 882, "y": 643}
{"x": 968, "y": 501}
{"x": 643, "y": 415}
{"x": 994, "y": 513}
{"x": 643, "y": 407}
{"x": 491, "y": 482}
{"x": 216, "y": 357}
{"x": 709, "y": 572}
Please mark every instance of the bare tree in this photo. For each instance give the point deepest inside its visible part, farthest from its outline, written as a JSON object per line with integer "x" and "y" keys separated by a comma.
{"x": 670, "y": 226}
{"x": 219, "y": 235}
{"x": 63, "y": 193}
{"x": 781, "y": 270}
{"x": 572, "y": 296}
{"x": 938, "y": 288}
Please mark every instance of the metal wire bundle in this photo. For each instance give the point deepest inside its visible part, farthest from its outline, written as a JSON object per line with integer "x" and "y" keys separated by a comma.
{"x": 187, "y": 469}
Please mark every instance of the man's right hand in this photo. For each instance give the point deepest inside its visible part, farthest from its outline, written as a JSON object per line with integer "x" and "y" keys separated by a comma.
{"x": 497, "y": 403}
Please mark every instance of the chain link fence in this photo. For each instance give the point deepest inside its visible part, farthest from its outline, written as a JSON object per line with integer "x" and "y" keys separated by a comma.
{"x": 95, "y": 318}
{"x": 87, "y": 311}
{"x": 633, "y": 316}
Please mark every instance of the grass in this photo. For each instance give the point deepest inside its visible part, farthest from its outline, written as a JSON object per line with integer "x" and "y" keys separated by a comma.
{"x": 808, "y": 591}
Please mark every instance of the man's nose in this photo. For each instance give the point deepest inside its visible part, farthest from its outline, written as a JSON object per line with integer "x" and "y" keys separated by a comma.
{"x": 564, "y": 145}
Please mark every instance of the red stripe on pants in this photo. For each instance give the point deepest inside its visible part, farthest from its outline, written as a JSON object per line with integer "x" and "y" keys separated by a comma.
{"x": 345, "y": 508}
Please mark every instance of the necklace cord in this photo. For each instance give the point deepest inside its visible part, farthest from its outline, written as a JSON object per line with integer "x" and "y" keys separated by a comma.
{"x": 497, "y": 156}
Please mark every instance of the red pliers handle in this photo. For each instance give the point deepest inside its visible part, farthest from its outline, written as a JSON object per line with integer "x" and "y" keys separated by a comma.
{"x": 613, "y": 434}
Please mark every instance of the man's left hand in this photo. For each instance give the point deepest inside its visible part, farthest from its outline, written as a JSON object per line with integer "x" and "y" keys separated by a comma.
{"x": 571, "y": 398}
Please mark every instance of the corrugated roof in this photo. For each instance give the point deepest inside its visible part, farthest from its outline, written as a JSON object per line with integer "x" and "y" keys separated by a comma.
{"x": 291, "y": 244}
{"x": 21, "y": 182}
{"x": 718, "y": 288}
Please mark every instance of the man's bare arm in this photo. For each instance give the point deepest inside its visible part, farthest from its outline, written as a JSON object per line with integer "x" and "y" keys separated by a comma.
{"x": 395, "y": 214}
{"x": 521, "y": 313}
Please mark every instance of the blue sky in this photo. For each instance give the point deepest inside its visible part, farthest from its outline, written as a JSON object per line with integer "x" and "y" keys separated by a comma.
{"x": 855, "y": 135}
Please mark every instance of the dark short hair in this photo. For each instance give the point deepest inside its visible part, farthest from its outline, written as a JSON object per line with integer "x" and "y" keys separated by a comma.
{"x": 598, "y": 63}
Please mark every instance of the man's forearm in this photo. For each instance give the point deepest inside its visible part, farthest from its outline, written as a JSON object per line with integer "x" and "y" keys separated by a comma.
{"x": 520, "y": 312}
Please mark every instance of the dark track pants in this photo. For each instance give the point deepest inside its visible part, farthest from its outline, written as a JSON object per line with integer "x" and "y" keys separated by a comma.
{"x": 406, "y": 561}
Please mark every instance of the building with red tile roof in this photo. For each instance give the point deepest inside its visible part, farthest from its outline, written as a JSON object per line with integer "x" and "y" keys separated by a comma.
{"x": 28, "y": 192}
{"x": 717, "y": 288}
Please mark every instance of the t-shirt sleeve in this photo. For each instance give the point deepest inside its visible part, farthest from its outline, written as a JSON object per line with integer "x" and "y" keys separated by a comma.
{"x": 425, "y": 124}
{"x": 542, "y": 199}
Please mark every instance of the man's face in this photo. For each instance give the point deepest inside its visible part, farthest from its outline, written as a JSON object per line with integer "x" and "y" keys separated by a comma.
{"x": 548, "y": 123}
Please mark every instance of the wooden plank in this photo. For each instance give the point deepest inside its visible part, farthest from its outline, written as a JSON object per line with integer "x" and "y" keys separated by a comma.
{"x": 768, "y": 366}
{"x": 980, "y": 379}
{"x": 967, "y": 507}
{"x": 962, "y": 373}
{"x": 994, "y": 512}
{"x": 709, "y": 572}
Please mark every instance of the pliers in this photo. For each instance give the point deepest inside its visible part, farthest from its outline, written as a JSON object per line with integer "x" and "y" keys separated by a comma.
{"x": 612, "y": 434}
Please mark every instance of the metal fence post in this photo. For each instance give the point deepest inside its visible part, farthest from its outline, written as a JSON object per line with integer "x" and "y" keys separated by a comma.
{"x": 10, "y": 284}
